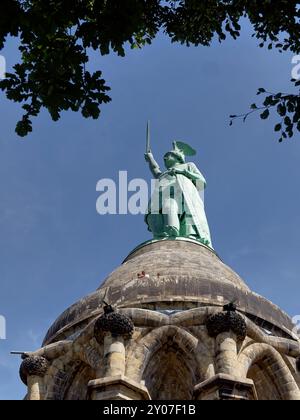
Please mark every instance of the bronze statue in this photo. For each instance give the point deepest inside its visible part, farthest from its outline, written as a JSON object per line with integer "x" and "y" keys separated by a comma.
{"x": 176, "y": 208}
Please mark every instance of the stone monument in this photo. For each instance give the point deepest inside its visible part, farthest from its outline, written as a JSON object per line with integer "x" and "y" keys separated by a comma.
{"x": 172, "y": 322}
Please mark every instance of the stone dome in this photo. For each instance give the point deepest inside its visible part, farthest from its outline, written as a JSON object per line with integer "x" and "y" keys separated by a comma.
{"x": 170, "y": 275}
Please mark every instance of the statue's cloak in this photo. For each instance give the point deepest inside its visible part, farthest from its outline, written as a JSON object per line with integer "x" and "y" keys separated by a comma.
{"x": 194, "y": 206}
{"x": 189, "y": 196}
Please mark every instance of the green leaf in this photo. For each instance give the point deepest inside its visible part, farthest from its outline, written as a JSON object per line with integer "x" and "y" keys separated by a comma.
{"x": 278, "y": 127}
{"x": 265, "y": 114}
{"x": 261, "y": 90}
{"x": 281, "y": 109}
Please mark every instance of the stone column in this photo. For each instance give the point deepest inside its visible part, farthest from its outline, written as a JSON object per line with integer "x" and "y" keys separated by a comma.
{"x": 112, "y": 329}
{"x": 114, "y": 354}
{"x": 32, "y": 372}
{"x": 228, "y": 328}
{"x": 227, "y": 353}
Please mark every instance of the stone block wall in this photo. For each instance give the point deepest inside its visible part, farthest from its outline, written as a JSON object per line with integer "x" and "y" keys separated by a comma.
{"x": 196, "y": 354}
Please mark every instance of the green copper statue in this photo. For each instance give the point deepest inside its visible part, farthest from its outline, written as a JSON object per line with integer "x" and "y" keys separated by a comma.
{"x": 176, "y": 208}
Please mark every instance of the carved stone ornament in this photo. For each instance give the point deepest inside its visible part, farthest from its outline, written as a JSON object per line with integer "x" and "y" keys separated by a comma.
{"x": 225, "y": 322}
{"x": 113, "y": 322}
{"x": 33, "y": 366}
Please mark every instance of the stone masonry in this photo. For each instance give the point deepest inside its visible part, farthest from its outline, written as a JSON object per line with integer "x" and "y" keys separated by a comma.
{"x": 168, "y": 333}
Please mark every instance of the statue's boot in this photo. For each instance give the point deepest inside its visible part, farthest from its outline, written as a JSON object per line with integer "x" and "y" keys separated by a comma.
{"x": 171, "y": 231}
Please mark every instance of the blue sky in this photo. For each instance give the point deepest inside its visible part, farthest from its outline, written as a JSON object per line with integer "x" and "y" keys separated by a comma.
{"x": 55, "y": 248}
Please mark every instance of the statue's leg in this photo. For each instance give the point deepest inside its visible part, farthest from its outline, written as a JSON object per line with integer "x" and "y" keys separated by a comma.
{"x": 187, "y": 227}
{"x": 155, "y": 224}
{"x": 171, "y": 218}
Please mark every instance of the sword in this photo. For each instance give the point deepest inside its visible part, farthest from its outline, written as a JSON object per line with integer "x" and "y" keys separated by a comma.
{"x": 23, "y": 354}
{"x": 148, "y": 146}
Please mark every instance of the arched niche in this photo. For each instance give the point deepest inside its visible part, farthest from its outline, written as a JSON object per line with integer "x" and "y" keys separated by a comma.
{"x": 266, "y": 367}
{"x": 71, "y": 383}
{"x": 171, "y": 362}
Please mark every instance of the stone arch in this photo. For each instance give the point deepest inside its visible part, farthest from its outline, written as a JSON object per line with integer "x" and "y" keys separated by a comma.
{"x": 292, "y": 365}
{"x": 77, "y": 388}
{"x": 170, "y": 360}
{"x": 266, "y": 367}
{"x": 70, "y": 382}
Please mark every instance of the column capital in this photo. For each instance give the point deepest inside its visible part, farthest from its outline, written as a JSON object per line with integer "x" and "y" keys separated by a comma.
{"x": 115, "y": 323}
{"x": 33, "y": 366}
{"x": 225, "y": 322}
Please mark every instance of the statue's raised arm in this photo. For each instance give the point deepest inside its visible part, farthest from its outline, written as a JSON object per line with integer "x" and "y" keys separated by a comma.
{"x": 153, "y": 165}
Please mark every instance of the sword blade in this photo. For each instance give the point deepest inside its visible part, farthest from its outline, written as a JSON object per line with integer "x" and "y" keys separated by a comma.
{"x": 148, "y": 144}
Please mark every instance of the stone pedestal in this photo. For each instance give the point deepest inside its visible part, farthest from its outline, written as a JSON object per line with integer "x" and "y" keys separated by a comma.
{"x": 117, "y": 388}
{"x": 165, "y": 329}
{"x": 225, "y": 387}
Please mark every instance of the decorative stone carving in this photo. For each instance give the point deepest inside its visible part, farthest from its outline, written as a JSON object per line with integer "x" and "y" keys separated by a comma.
{"x": 227, "y": 321}
{"x": 298, "y": 364}
{"x": 33, "y": 366}
{"x": 113, "y": 322}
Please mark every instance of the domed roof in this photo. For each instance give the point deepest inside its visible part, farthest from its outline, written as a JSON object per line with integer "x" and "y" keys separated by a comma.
{"x": 170, "y": 275}
{"x": 177, "y": 262}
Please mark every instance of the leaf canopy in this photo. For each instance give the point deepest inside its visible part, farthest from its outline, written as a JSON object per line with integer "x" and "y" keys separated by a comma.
{"x": 55, "y": 37}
